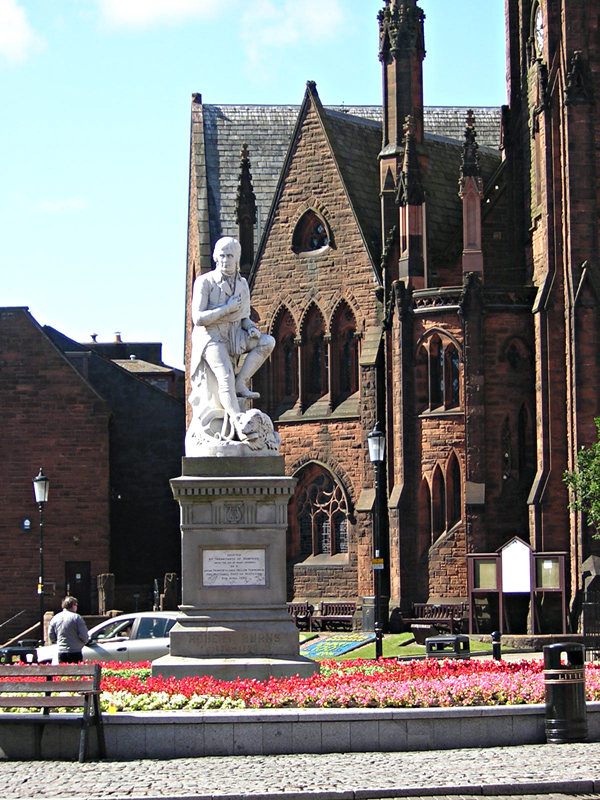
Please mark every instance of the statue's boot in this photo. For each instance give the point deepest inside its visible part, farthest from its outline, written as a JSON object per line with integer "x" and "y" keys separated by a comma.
{"x": 242, "y": 390}
{"x": 252, "y": 362}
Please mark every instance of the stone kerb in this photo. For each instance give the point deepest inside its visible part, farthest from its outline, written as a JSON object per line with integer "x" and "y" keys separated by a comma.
{"x": 166, "y": 735}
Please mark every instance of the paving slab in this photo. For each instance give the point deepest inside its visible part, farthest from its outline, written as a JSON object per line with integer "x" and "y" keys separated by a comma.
{"x": 476, "y": 772}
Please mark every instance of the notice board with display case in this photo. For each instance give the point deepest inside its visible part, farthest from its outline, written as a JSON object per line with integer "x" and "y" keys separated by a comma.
{"x": 516, "y": 584}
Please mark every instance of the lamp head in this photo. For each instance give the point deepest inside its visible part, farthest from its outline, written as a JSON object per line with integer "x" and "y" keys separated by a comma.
{"x": 376, "y": 442}
{"x": 41, "y": 487}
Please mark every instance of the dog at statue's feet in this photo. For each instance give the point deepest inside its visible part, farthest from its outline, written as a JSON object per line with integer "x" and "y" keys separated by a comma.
{"x": 256, "y": 431}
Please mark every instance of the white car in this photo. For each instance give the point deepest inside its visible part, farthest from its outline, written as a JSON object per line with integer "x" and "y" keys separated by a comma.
{"x": 141, "y": 636}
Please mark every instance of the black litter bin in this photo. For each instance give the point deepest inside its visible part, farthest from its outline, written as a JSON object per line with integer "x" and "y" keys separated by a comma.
{"x": 368, "y": 613}
{"x": 564, "y": 681}
{"x": 447, "y": 647}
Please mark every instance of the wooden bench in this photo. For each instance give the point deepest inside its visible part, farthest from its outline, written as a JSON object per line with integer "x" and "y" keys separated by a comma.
{"x": 64, "y": 686}
{"x": 335, "y": 613}
{"x": 301, "y": 613}
{"x": 435, "y": 618}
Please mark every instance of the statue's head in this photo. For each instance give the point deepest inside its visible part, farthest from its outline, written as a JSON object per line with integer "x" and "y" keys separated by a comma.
{"x": 227, "y": 254}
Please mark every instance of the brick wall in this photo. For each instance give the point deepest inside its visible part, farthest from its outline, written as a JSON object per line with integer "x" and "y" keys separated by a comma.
{"x": 146, "y": 432}
{"x": 51, "y": 418}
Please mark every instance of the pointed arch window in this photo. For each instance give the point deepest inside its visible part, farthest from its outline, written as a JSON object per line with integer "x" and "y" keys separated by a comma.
{"x": 284, "y": 363}
{"x": 289, "y": 371}
{"x": 310, "y": 234}
{"x": 525, "y": 445}
{"x": 319, "y": 513}
{"x": 344, "y": 354}
{"x": 436, "y": 372}
{"x": 442, "y": 360}
{"x": 438, "y": 505}
{"x": 421, "y": 379}
{"x": 454, "y": 492}
{"x": 315, "y": 357}
{"x": 425, "y": 522}
{"x": 453, "y": 399}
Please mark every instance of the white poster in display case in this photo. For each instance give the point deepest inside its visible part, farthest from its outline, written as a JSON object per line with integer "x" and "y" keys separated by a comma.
{"x": 516, "y": 567}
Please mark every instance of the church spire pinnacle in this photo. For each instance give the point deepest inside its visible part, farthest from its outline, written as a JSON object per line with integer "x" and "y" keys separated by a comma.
{"x": 245, "y": 211}
{"x": 469, "y": 167}
{"x": 411, "y": 190}
{"x": 470, "y": 191}
{"x": 400, "y": 28}
{"x": 401, "y": 52}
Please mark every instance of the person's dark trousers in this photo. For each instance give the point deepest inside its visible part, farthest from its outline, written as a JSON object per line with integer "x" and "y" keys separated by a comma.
{"x": 70, "y": 658}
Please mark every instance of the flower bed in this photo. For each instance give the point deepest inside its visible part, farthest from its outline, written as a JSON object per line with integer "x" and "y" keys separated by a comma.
{"x": 341, "y": 684}
{"x": 350, "y": 684}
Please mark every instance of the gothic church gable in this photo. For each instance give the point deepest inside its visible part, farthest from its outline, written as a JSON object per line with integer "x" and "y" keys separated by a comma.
{"x": 322, "y": 227}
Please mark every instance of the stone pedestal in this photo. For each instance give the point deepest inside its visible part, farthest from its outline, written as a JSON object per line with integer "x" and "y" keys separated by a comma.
{"x": 234, "y": 620}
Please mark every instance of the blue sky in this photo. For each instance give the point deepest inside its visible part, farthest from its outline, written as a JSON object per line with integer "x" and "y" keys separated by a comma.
{"x": 94, "y": 140}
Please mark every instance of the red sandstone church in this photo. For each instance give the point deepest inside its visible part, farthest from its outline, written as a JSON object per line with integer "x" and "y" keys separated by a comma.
{"x": 434, "y": 270}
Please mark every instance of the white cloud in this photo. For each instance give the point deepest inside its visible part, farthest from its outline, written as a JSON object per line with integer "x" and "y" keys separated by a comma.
{"x": 68, "y": 204}
{"x": 269, "y": 25}
{"x": 17, "y": 37}
{"x": 144, "y": 13}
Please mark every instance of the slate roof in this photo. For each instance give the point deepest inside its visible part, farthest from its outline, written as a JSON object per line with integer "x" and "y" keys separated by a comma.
{"x": 449, "y": 122}
{"x": 444, "y": 206}
{"x": 267, "y": 131}
{"x": 137, "y": 365}
{"x": 356, "y": 142}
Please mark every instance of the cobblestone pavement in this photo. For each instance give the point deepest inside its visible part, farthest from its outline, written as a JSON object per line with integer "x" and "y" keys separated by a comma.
{"x": 521, "y": 770}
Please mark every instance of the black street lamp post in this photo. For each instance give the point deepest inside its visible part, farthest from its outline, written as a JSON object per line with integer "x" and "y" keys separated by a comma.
{"x": 376, "y": 442}
{"x": 41, "y": 489}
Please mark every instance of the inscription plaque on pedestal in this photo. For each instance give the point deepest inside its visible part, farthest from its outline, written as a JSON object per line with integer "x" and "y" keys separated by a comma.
{"x": 233, "y": 567}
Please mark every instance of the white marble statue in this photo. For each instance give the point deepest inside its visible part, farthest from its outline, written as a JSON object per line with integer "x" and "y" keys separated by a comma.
{"x": 227, "y": 349}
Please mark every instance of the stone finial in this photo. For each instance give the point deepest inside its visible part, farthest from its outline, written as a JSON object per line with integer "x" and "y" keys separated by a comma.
{"x": 469, "y": 167}
{"x": 411, "y": 189}
{"x": 400, "y": 27}
{"x": 245, "y": 209}
{"x": 245, "y": 202}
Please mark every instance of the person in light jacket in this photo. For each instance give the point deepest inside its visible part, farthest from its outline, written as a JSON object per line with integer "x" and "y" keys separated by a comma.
{"x": 68, "y": 630}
